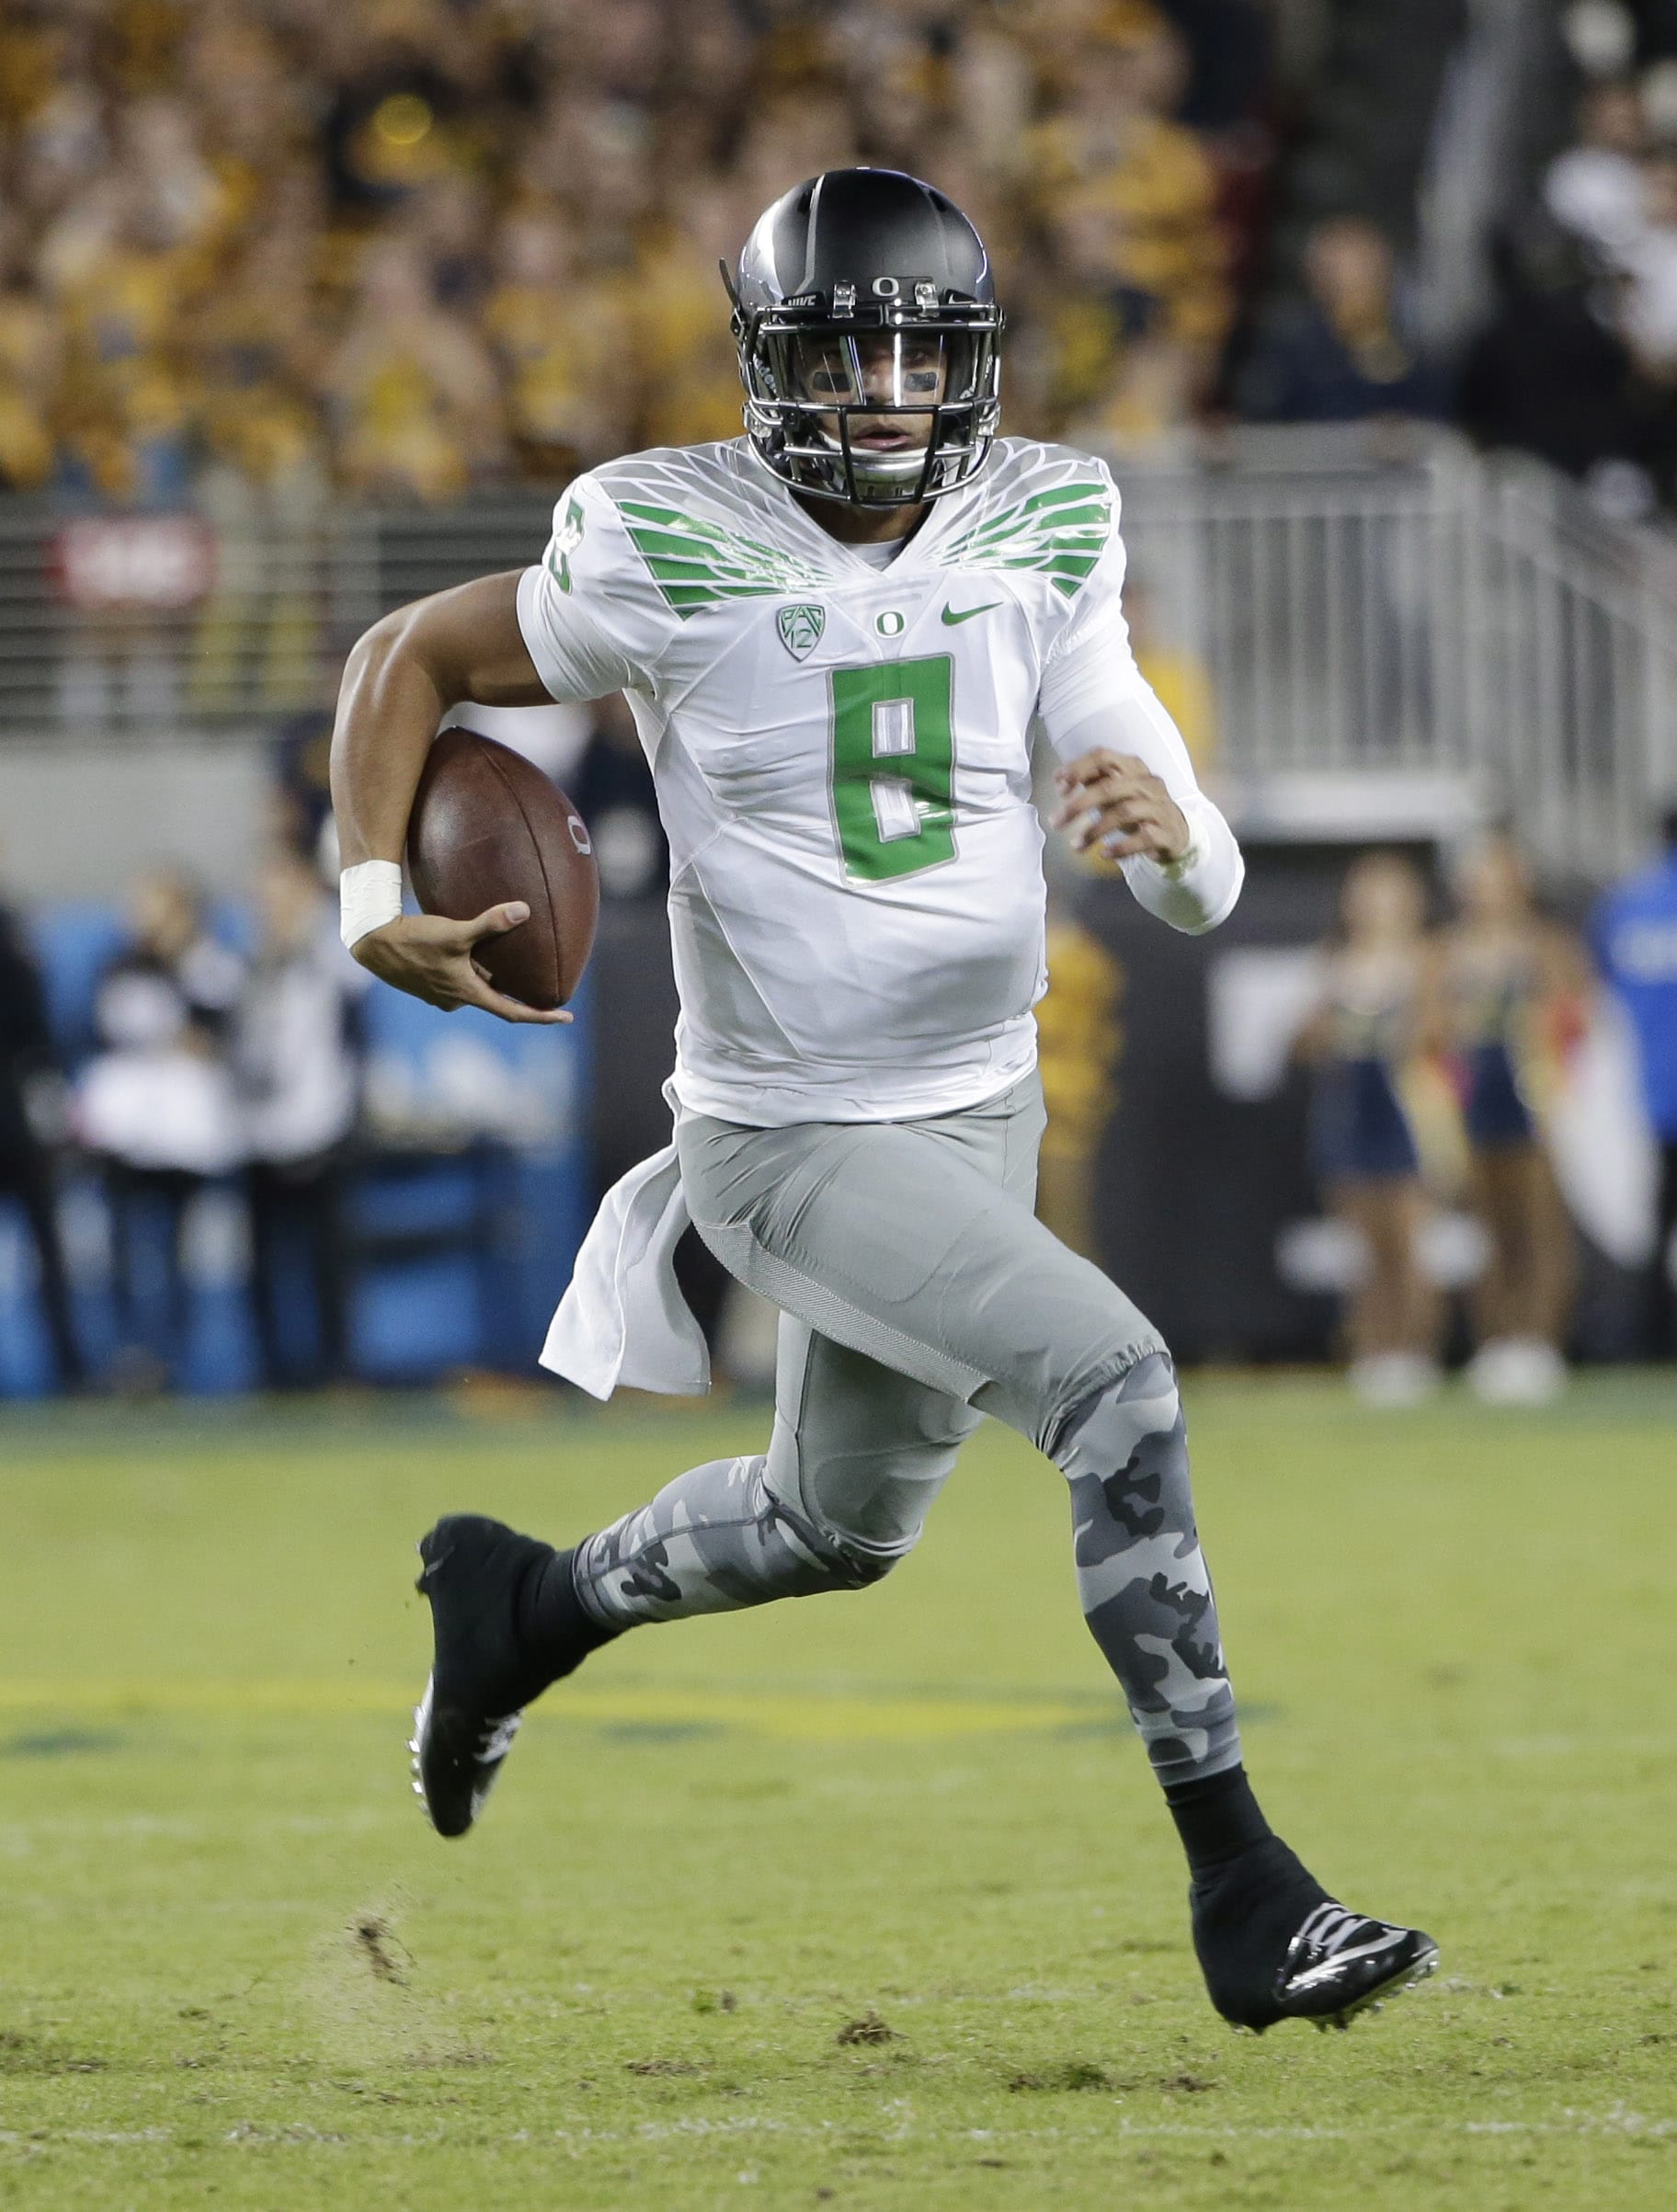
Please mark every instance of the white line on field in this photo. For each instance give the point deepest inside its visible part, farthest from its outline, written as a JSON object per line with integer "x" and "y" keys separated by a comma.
{"x": 1619, "y": 2121}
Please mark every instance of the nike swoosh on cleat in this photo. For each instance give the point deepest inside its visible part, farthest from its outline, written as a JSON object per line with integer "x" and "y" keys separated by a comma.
{"x": 1327, "y": 1968}
{"x": 952, "y": 615}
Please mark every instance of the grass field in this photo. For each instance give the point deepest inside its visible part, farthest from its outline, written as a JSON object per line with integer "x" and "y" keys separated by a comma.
{"x": 865, "y": 1902}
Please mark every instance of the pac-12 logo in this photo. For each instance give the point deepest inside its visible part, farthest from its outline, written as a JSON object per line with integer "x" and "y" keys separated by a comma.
{"x": 800, "y": 629}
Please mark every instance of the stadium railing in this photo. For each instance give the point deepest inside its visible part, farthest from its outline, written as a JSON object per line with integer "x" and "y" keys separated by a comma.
{"x": 1422, "y": 611}
{"x": 1367, "y": 600}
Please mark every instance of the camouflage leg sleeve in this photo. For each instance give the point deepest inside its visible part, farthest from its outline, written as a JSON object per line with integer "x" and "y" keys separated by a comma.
{"x": 1142, "y": 1579}
{"x": 714, "y": 1541}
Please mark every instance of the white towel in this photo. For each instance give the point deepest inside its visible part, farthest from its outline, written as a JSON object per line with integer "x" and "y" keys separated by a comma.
{"x": 624, "y": 1318}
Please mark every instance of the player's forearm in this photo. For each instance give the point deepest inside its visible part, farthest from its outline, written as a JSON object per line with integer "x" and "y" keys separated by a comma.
{"x": 388, "y": 709}
{"x": 402, "y": 677}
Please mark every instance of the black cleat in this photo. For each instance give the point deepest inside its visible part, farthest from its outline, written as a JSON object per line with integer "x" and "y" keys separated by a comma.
{"x": 482, "y": 1676}
{"x": 1342, "y": 1963}
{"x": 1274, "y": 1945}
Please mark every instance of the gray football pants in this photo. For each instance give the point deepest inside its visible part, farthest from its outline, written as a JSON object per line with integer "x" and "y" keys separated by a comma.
{"x": 917, "y": 1292}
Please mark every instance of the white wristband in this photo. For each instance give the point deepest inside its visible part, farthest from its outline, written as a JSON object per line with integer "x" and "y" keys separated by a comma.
{"x": 369, "y": 895}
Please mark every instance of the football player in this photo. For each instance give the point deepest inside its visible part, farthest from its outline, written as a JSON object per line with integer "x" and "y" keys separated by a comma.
{"x": 837, "y": 634}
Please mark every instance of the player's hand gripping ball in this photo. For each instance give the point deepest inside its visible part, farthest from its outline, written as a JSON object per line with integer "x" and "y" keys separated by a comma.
{"x": 502, "y": 865}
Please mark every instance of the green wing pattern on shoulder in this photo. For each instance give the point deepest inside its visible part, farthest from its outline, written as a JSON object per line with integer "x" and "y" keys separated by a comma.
{"x": 1061, "y": 530}
{"x": 696, "y": 564}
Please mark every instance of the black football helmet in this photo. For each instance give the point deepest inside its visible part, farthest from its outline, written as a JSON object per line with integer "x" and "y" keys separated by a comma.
{"x": 865, "y": 317}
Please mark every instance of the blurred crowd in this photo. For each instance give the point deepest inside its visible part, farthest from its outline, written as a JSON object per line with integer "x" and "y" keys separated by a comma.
{"x": 253, "y": 251}
{"x": 1433, "y": 1053}
{"x": 412, "y": 245}
{"x": 209, "y": 1067}
{"x": 190, "y": 1060}
{"x": 1444, "y": 1054}
{"x": 1571, "y": 352}
{"x": 1578, "y": 359}
{"x": 1447, "y": 1035}
{"x": 255, "y": 254}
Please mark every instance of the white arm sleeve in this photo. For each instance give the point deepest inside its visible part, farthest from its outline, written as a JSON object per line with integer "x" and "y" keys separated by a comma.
{"x": 1093, "y": 693}
{"x": 1198, "y": 891}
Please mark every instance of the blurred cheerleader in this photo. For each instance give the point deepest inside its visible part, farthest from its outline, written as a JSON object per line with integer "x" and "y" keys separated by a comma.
{"x": 1364, "y": 1033}
{"x": 1512, "y": 988}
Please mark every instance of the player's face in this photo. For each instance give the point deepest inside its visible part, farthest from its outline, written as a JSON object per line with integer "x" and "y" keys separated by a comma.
{"x": 886, "y": 373}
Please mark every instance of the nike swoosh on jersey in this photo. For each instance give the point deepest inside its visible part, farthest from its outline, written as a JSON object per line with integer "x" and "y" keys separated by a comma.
{"x": 964, "y": 614}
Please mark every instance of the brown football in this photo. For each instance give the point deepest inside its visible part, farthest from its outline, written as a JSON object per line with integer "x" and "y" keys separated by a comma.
{"x": 486, "y": 827}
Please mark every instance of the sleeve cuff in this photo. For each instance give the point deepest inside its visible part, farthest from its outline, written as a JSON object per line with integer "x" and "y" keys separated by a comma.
{"x": 535, "y": 642}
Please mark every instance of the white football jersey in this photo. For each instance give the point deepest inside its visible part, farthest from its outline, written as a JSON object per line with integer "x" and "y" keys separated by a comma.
{"x": 842, "y": 759}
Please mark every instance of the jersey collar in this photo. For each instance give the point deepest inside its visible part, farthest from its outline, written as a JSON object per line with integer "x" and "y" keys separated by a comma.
{"x": 834, "y": 551}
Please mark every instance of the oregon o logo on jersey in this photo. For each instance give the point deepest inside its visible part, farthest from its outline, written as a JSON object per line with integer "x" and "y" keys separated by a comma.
{"x": 800, "y": 629}
{"x": 891, "y": 623}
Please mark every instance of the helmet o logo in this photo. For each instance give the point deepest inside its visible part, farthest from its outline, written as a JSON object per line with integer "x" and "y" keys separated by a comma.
{"x": 890, "y": 623}
{"x": 885, "y": 287}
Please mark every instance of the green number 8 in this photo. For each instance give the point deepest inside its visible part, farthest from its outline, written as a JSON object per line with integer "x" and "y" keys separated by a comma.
{"x": 893, "y": 768}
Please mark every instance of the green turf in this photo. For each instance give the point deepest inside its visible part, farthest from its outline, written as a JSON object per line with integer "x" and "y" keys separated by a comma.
{"x": 235, "y": 1968}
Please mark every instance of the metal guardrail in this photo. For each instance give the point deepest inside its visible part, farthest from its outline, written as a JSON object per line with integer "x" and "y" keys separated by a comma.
{"x": 289, "y": 594}
{"x": 1430, "y": 614}
{"x": 1418, "y": 610}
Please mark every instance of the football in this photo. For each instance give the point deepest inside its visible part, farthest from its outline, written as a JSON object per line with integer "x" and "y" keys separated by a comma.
{"x": 487, "y": 826}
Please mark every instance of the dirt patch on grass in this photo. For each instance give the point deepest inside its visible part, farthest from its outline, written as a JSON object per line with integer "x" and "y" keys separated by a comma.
{"x": 869, "y": 2028}
{"x": 1082, "y": 2073}
{"x": 377, "y": 1943}
{"x": 1072, "y": 2073}
{"x": 366, "y": 1994}
{"x": 22, "y": 2054}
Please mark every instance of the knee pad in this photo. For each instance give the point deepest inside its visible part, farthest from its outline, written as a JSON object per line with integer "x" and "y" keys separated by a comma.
{"x": 861, "y": 1569}
{"x": 849, "y": 1562}
{"x": 849, "y": 1559}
